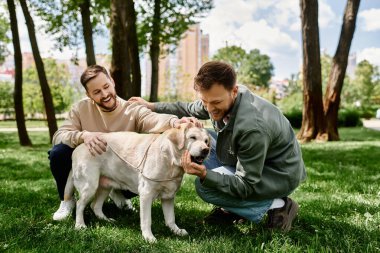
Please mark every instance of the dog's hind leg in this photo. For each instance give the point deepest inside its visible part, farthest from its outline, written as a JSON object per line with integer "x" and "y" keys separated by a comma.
{"x": 86, "y": 193}
{"x": 97, "y": 205}
{"x": 168, "y": 210}
{"x": 87, "y": 190}
{"x": 146, "y": 201}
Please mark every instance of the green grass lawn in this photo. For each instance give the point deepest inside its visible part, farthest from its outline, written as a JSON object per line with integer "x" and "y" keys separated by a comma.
{"x": 339, "y": 207}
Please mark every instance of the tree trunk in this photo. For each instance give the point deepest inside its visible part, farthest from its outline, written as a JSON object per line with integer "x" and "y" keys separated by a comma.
{"x": 135, "y": 89}
{"x": 87, "y": 32}
{"x": 155, "y": 51}
{"x": 338, "y": 69}
{"x": 120, "y": 64}
{"x": 313, "y": 123}
{"x": 46, "y": 94}
{"x": 18, "y": 105}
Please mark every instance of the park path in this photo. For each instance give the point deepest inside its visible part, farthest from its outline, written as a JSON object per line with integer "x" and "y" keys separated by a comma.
{"x": 371, "y": 123}
{"x": 29, "y": 129}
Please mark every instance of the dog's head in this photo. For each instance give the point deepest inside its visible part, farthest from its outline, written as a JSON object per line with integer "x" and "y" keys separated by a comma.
{"x": 194, "y": 139}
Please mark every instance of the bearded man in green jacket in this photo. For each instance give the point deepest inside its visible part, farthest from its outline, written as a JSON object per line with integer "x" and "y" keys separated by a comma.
{"x": 255, "y": 161}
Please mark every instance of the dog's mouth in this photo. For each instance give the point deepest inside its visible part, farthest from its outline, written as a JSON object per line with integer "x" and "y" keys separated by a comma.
{"x": 197, "y": 159}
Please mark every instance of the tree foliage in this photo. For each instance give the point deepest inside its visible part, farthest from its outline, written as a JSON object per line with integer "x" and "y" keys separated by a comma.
{"x": 362, "y": 89}
{"x": 6, "y": 98}
{"x": 63, "y": 94}
{"x": 176, "y": 17}
{"x": 4, "y": 38}
{"x": 232, "y": 55}
{"x": 63, "y": 20}
{"x": 252, "y": 68}
{"x": 163, "y": 22}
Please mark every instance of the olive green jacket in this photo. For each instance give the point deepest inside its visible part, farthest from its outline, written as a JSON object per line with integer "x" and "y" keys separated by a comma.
{"x": 258, "y": 140}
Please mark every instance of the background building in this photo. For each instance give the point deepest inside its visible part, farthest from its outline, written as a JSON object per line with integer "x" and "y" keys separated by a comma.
{"x": 178, "y": 68}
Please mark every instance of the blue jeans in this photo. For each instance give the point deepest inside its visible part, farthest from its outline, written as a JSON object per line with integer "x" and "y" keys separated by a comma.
{"x": 250, "y": 209}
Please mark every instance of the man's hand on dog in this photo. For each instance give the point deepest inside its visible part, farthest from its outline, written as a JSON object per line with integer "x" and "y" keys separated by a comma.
{"x": 94, "y": 142}
{"x": 192, "y": 168}
{"x": 195, "y": 121}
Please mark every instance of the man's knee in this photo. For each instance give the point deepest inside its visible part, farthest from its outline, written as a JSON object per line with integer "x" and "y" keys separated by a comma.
{"x": 60, "y": 152}
{"x": 60, "y": 158}
{"x": 201, "y": 191}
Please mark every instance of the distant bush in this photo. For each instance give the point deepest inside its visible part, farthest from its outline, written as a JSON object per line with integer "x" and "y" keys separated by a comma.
{"x": 368, "y": 112}
{"x": 346, "y": 118}
{"x": 349, "y": 118}
{"x": 295, "y": 118}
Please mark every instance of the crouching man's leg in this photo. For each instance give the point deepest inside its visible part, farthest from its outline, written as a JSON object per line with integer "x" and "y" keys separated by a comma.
{"x": 281, "y": 212}
{"x": 60, "y": 165}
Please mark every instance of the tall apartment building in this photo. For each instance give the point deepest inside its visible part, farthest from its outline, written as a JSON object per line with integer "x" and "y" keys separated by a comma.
{"x": 178, "y": 69}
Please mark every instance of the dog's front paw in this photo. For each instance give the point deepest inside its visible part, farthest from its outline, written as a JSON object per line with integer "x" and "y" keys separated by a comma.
{"x": 79, "y": 226}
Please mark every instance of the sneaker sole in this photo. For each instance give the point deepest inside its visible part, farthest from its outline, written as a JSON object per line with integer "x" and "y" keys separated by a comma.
{"x": 292, "y": 214}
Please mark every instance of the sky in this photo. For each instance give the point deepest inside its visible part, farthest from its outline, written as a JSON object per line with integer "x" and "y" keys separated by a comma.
{"x": 272, "y": 26}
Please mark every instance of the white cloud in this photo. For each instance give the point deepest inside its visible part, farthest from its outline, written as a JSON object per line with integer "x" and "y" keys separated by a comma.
{"x": 270, "y": 40}
{"x": 370, "y": 18}
{"x": 286, "y": 14}
{"x": 326, "y": 16}
{"x": 371, "y": 54}
{"x": 238, "y": 23}
{"x": 264, "y": 25}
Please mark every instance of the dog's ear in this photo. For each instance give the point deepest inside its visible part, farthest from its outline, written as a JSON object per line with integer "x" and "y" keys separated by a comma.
{"x": 177, "y": 136}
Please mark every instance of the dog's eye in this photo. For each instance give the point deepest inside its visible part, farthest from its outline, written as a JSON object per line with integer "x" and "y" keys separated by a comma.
{"x": 193, "y": 137}
{"x": 206, "y": 141}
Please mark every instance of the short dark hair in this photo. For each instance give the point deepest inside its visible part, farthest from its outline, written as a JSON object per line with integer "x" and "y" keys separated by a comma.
{"x": 92, "y": 72}
{"x": 215, "y": 72}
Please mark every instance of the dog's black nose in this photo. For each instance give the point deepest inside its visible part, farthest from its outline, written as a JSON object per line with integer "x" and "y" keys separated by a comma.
{"x": 205, "y": 152}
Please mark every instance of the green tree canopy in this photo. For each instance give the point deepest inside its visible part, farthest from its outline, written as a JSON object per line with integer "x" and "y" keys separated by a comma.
{"x": 63, "y": 19}
{"x": 252, "y": 68}
{"x": 62, "y": 92}
{"x": 176, "y": 17}
{"x": 4, "y": 38}
{"x": 233, "y": 55}
{"x": 6, "y": 97}
{"x": 363, "y": 89}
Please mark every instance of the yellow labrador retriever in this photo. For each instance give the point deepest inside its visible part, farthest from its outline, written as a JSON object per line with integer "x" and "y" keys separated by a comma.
{"x": 146, "y": 164}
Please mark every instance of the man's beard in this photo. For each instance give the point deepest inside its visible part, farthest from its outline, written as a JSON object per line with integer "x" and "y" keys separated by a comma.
{"x": 108, "y": 108}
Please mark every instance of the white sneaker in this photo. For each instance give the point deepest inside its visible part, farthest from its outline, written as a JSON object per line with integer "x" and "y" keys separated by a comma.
{"x": 64, "y": 210}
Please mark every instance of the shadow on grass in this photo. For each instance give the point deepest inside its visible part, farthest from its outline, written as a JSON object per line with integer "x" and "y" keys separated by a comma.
{"x": 19, "y": 169}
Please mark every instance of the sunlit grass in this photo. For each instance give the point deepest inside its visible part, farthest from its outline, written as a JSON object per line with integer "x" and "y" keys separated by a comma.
{"x": 340, "y": 204}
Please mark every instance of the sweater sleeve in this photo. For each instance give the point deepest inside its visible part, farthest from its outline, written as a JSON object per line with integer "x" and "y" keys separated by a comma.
{"x": 152, "y": 122}
{"x": 251, "y": 152}
{"x": 70, "y": 133}
{"x": 182, "y": 109}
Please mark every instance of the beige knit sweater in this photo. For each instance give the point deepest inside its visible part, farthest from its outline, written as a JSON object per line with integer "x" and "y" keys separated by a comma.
{"x": 87, "y": 116}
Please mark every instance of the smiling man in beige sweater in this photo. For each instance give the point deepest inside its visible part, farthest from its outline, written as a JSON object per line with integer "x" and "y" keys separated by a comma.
{"x": 101, "y": 112}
